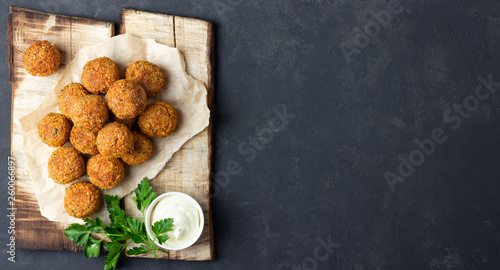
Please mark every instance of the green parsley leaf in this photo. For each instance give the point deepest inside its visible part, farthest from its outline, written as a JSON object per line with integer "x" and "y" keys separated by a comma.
{"x": 75, "y": 231}
{"x": 93, "y": 248}
{"x": 162, "y": 226}
{"x": 143, "y": 195}
{"x": 116, "y": 214}
{"x": 99, "y": 222}
{"x": 115, "y": 234}
{"x": 134, "y": 224}
{"x": 137, "y": 250}
{"x": 135, "y": 230}
{"x": 137, "y": 238}
{"x": 113, "y": 255}
{"x": 94, "y": 226}
{"x": 108, "y": 245}
{"x": 83, "y": 240}
{"x": 162, "y": 238}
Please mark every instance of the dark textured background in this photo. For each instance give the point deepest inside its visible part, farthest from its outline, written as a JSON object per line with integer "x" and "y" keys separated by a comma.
{"x": 321, "y": 176}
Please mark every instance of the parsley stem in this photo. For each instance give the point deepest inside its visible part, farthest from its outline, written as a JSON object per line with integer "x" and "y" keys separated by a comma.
{"x": 109, "y": 234}
{"x": 154, "y": 246}
{"x": 150, "y": 243}
{"x": 154, "y": 253}
{"x": 151, "y": 246}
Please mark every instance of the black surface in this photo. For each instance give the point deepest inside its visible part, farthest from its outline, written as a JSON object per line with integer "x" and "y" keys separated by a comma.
{"x": 321, "y": 176}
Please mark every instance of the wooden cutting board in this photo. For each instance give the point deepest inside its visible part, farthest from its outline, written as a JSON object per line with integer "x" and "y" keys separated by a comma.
{"x": 188, "y": 170}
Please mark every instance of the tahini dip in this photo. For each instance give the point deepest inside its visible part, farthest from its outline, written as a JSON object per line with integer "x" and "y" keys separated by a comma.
{"x": 185, "y": 214}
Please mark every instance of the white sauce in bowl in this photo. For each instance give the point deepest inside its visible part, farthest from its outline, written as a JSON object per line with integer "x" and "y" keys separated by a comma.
{"x": 185, "y": 214}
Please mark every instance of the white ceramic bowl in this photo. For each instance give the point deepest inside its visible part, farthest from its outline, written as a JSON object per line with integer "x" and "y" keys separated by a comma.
{"x": 147, "y": 222}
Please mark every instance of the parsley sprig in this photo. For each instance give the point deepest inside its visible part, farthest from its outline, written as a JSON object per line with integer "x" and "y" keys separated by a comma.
{"x": 122, "y": 230}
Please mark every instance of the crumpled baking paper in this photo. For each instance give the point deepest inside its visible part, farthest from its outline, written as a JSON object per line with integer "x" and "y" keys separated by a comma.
{"x": 184, "y": 93}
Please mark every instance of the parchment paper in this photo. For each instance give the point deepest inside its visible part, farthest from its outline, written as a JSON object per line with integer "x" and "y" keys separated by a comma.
{"x": 185, "y": 94}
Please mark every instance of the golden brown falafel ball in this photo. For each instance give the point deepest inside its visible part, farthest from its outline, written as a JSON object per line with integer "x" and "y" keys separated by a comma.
{"x": 82, "y": 200}
{"x": 65, "y": 165}
{"x": 114, "y": 140}
{"x": 84, "y": 140}
{"x": 126, "y": 99}
{"x": 54, "y": 129}
{"x": 130, "y": 123}
{"x": 68, "y": 95}
{"x": 148, "y": 75}
{"x": 158, "y": 120}
{"x": 142, "y": 150}
{"x": 99, "y": 74}
{"x": 42, "y": 58}
{"x": 105, "y": 172}
{"x": 90, "y": 112}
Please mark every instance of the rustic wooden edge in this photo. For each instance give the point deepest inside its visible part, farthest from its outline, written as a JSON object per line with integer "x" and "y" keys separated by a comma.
{"x": 59, "y": 15}
{"x": 211, "y": 106}
{"x": 210, "y": 101}
{"x": 43, "y": 224}
{"x": 122, "y": 28}
{"x": 10, "y": 50}
{"x": 10, "y": 53}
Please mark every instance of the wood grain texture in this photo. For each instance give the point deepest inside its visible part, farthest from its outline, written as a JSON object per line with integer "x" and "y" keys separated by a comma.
{"x": 189, "y": 169}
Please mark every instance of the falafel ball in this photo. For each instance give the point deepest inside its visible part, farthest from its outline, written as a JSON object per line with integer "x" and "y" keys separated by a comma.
{"x": 65, "y": 165}
{"x": 90, "y": 112}
{"x": 126, "y": 99}
{"x": 99, "y": 74}
{"x": 42, "y": 58}
{"x": 142, "y": 150}
{"x": 130, "y": 123}
{"x": 158, "y": 120}
{"x": 148, "y": 75}
{"x": 105, "y": 172}
{"x": 54, "y": 129}
{"x": 68, "y": 95}
{"x": 84, "y": 140}
{"x": 115, "y": 140}
{"x": 82, "y": 200}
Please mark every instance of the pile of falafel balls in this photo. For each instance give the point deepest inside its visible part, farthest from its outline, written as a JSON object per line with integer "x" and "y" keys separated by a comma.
{"x": 108, "y": 131}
